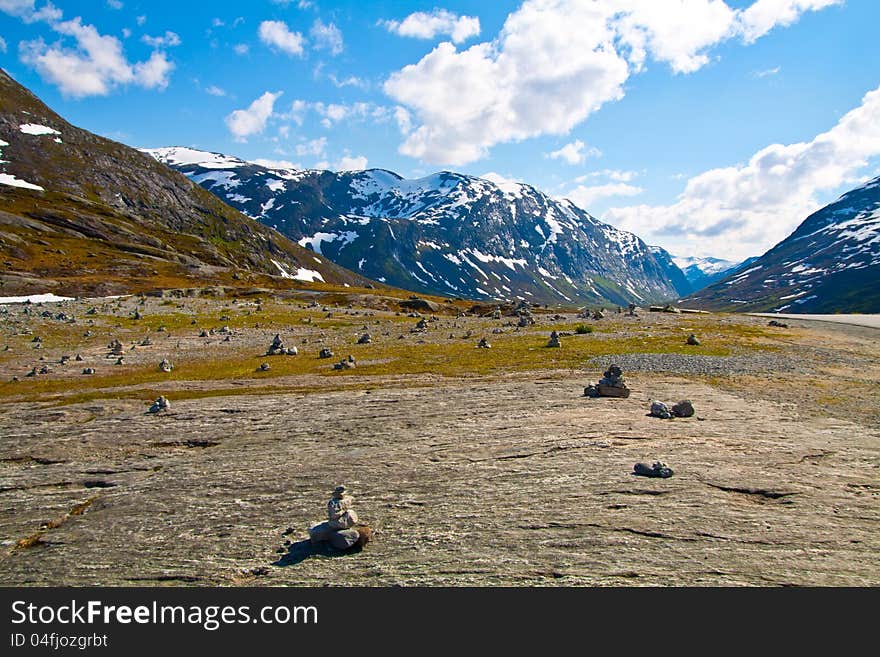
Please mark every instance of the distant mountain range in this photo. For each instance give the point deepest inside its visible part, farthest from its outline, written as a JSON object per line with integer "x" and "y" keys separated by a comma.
{"x": 702, "y": 272}
{"x": 447, "y": 233}
{"x": 88, "y": 216}
{"x": 830, "y": 263}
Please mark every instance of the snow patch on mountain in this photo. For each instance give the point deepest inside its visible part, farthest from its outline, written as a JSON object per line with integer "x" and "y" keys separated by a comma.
{"x": 37, "y": 129}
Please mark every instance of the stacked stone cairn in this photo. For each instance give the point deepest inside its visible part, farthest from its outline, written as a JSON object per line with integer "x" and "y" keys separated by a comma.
{"x": 165, "y": 365}
{"x": 610, "y": 385}
{"x": 341, "y": 529}
{"x": 161, "y": 404}
{"x": 277, "y": 348}
{"x": 483, "y": 344}
{"x": 345, "y": 364}
{"x": 554, "y": 341}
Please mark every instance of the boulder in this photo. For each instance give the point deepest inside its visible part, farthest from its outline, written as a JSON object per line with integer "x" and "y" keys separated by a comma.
{"x": 661, "y": 410}
{"x": 684, "y": 408}
{"x": 693, "y": 341}
{"x": 657, "y": 469}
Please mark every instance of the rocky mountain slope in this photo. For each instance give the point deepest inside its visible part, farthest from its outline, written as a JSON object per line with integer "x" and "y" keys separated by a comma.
{"x": 830, "y": 264}
{"x": 81, "y": 214}
{"x": 447, "y": 233}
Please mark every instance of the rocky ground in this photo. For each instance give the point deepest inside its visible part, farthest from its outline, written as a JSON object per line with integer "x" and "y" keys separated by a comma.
{"x": 473, "y": 466}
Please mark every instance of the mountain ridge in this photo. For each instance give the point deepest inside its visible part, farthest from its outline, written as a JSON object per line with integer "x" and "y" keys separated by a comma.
{"x": 446, "y": 233}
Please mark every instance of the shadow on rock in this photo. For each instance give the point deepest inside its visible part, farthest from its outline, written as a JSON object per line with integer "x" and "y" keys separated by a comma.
{"x": 305, "y": 549}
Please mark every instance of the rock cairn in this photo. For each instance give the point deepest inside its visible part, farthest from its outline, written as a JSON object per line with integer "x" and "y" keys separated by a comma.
{"x": 341, "y": 529}
{"x": 610, "y": 385}
{"x": 693, "y": 341}
{"x": 483, "y": 344}
{"x": 165, "y": 365}
{"x": 116, "y": 348}
{"x": 345, "y": 364}
{"x": 277, "y": 348}
{"x": 684, "y": 408}
{"x": 161, "y": 404}
{"x": 325, "y": 352}
{"x": 366, "y": 338}
{"x": 554, "y": 341}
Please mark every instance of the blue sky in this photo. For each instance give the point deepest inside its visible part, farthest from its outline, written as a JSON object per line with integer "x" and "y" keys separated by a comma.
{"x": 708, "y": 127}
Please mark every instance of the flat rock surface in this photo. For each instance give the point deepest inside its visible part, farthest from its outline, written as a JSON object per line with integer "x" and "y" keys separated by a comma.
{"x": 513, "y": 481}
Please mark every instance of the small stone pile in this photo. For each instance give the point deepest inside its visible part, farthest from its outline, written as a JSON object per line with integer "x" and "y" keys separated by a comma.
{"x": 483, "y": 344}
{"x": 554, "y": 341}
{"x": 693, "y": 341}
{"x": 325, "y": 352}
{"x": 277, "y": 348}
{"x": 341, "y": 529}
{"x": 366, "y": 338}
{"x": 777, "y": 324}
{"x": 421, "y": 327}
{"x": 115, "y": 348}
{"x": 610, "y": 385}
{"x": 165, "y": 365}
{"x": 599, "y": 314}
{"x": 657, "y": 469}
{"x": 345, "y": 364}
{"x": 161, "y": 404}
{"x": 684, "y": 408}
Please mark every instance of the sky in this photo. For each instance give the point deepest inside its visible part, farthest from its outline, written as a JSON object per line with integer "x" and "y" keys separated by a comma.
{"x": 708, "y": 127}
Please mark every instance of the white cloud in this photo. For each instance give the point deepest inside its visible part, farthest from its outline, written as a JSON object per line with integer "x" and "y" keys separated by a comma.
{"x": 26, "y": 10}
{"x": 214, "y": 90}
{"x": 315, "y": 147}
{"x": 96, "y": 66}
{"x": 425, "y": 25}
{"x": 738, "y": 211}
{"x": 276, "y": 34}
{"x": 352, "y": 163}
{"x": 584, "y": 196}
{"x": 114, "y": 4}
{"x": 350, "y": 81}
{"x": 610, "y": 174}
{"x": 763, "y": 15}
{"x": 169, "y": 40}
{"x": 326, "y": 37}
{"x": 768, "y": 72}
{"x": 574, "y": 153}
{"x": 555, "y": 62}
{"x": 2, "y": 44}
{"x": 241, "y": 49}
{"x": 244, "y": 123}
{"x": 140, "y": 20}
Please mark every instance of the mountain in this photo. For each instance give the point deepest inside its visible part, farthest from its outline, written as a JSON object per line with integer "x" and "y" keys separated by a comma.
{"x": 447, "y": 233}
{"x": 84, "y": 215}
{"x": 829, "y": 264}
{"x": 702, "y": 272}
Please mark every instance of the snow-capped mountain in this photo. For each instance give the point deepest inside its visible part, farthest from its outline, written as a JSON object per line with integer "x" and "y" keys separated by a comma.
{"x": 830, "y": 263}
{"x": 447, "y": 233}
{"x": 702, "y": 272}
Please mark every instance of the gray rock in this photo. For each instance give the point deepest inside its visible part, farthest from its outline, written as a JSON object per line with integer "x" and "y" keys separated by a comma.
{"x": 165, "y": 365}
{"x": 661, "y": 410}
{"x": 366, "y": 338}
{"x": 344, "y": 538}
{"x": 88, "y": 370}
{"x": 693, "y": 341}
{"x": 684, "y": 408}
{"x": 483, "y": 344}
{"x": 554, "y": 340}
{"x": 325, "y": 353}
{"x": 657, "y": 469}
{"x": 264, "y": 367}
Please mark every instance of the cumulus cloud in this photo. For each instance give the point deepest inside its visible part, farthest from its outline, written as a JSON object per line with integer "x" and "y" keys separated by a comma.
{"x": 244, "y": 123}
{"x": 352, "y": 163}
{"x": 427, "y": 25}
{"x": 574, "y": 153}
{"x": 276, "y": 34}
{"x": 326, "y": 37}
{"x": 742, "y": 210}
{"x": 97, "y": 64}
{"x": 584, "y": 196}
{"x": 2, "y": 44}
{"x": 555, "y": 62}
